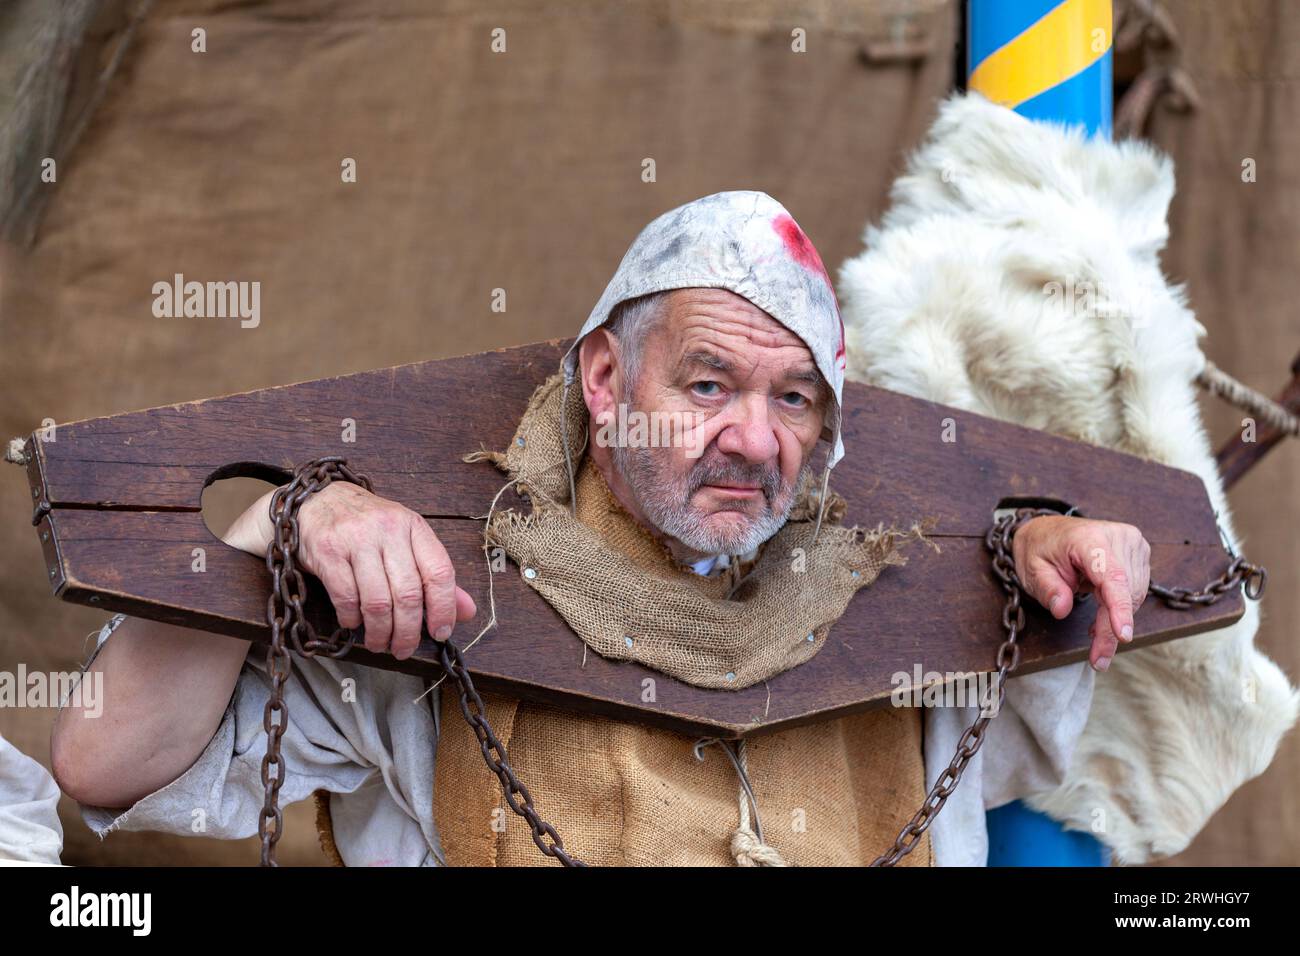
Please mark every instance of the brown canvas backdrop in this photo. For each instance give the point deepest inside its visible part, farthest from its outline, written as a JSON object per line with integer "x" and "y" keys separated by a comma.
{"x": 522, "y": 171}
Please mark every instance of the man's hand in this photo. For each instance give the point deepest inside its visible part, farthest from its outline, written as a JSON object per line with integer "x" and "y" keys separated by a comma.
{"x": 1059, "y": 556}
{"x": 382, "y": 566}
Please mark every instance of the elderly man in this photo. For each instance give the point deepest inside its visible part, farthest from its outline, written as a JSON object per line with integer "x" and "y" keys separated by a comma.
{"x": 720, "y": 317}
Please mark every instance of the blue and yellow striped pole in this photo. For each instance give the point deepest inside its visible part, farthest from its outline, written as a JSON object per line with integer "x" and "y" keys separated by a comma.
{"x": 1045, "y": 59}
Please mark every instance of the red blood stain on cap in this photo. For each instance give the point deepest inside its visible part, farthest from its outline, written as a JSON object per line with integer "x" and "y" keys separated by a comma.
{"x": 799, "y": 245}
{"x": 804, "y": 252}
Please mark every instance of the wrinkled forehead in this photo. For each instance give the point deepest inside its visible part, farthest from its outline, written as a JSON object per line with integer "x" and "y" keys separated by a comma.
{"x": 716, "y": 328}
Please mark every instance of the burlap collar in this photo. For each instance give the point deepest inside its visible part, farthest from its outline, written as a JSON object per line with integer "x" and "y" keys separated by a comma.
{"x": 625, "y": 596}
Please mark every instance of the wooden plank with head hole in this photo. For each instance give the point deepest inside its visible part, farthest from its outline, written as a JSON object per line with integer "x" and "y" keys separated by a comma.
{"x": 118, "y": 500}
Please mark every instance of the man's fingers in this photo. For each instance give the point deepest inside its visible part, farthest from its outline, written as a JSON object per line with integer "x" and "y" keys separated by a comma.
{"x": 376, "y": 599}
{"x": 1140, "y": 563}
{"x": 465, "y": 606}
{"x": 1111, "y": 585}
{"x": 1056, "y": 557}
{"x": 407, "y": 591}
{"x": 441, "y": 604}
{"x": 341, "y": 586}
{"x": 1118, "y": 599}
{"x": 1104, "y": 643}
{"x": 1049, "y": 588}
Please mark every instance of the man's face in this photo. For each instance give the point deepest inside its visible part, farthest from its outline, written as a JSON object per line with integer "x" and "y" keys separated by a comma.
{"x": 754, "y": 403}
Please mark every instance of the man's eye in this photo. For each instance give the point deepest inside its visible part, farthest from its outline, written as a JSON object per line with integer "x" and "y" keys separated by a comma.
{"x": 706, "y": 389}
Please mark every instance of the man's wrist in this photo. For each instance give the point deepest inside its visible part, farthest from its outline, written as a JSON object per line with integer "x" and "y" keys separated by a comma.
{"x": 240, "y": 536}
{"x": 252, "y": 531}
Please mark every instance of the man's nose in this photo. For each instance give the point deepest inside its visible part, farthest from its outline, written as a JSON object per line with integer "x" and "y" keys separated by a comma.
{"x": 750, "y": 430}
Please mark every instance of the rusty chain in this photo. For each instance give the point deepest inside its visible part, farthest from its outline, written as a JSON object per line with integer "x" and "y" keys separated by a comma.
{"x": 1240, "y": 573}
{"x": 494, "y": 754}
{"x": 998, "y": 541}
{"x": 285, "y": 613}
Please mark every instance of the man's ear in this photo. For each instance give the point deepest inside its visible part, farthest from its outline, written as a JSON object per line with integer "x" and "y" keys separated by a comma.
{"x": 598, "y": 361}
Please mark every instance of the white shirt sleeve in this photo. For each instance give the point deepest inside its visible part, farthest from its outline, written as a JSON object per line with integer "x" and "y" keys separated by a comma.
{"x": 1027, "y": 749}
{"x": 30, "y": 831}
{"x": 359, "y": 733}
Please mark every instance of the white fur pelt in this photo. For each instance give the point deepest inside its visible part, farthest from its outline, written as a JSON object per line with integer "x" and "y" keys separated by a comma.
{"x": 1016, "y": 275}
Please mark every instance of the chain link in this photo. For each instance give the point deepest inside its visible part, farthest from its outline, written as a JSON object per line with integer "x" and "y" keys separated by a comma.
{"x": 284, "y": 611}
{"x": 494, "y": 754}
{"x": 1239, "y": 573}
{"x": 998, "y": 541}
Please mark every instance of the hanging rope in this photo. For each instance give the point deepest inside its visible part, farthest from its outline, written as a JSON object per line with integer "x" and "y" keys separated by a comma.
{"x": 747, "y": 845}
{"x": 1144, "y": 28}
{"x": 1214, "y": 379}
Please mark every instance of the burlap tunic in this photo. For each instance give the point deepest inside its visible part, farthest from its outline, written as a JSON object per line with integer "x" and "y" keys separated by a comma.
{"x": 835, "y": 792}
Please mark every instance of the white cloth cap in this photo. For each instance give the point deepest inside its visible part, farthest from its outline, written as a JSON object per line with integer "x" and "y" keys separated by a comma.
{"x": 744, "y": 241}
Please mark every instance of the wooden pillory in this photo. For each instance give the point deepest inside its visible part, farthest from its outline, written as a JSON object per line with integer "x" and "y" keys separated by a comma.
{"x": 117, "y": 506}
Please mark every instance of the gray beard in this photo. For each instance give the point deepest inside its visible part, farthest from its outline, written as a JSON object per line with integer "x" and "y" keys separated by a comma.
{"x": 665, "y": 499}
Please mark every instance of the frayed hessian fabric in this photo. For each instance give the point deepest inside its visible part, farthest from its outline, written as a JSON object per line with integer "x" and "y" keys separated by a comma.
{"x": 1016, "y": 275}
{"x": 832, "y": 793}
{"x": 622, "y": 793}
{"x": 616, "y": 586}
